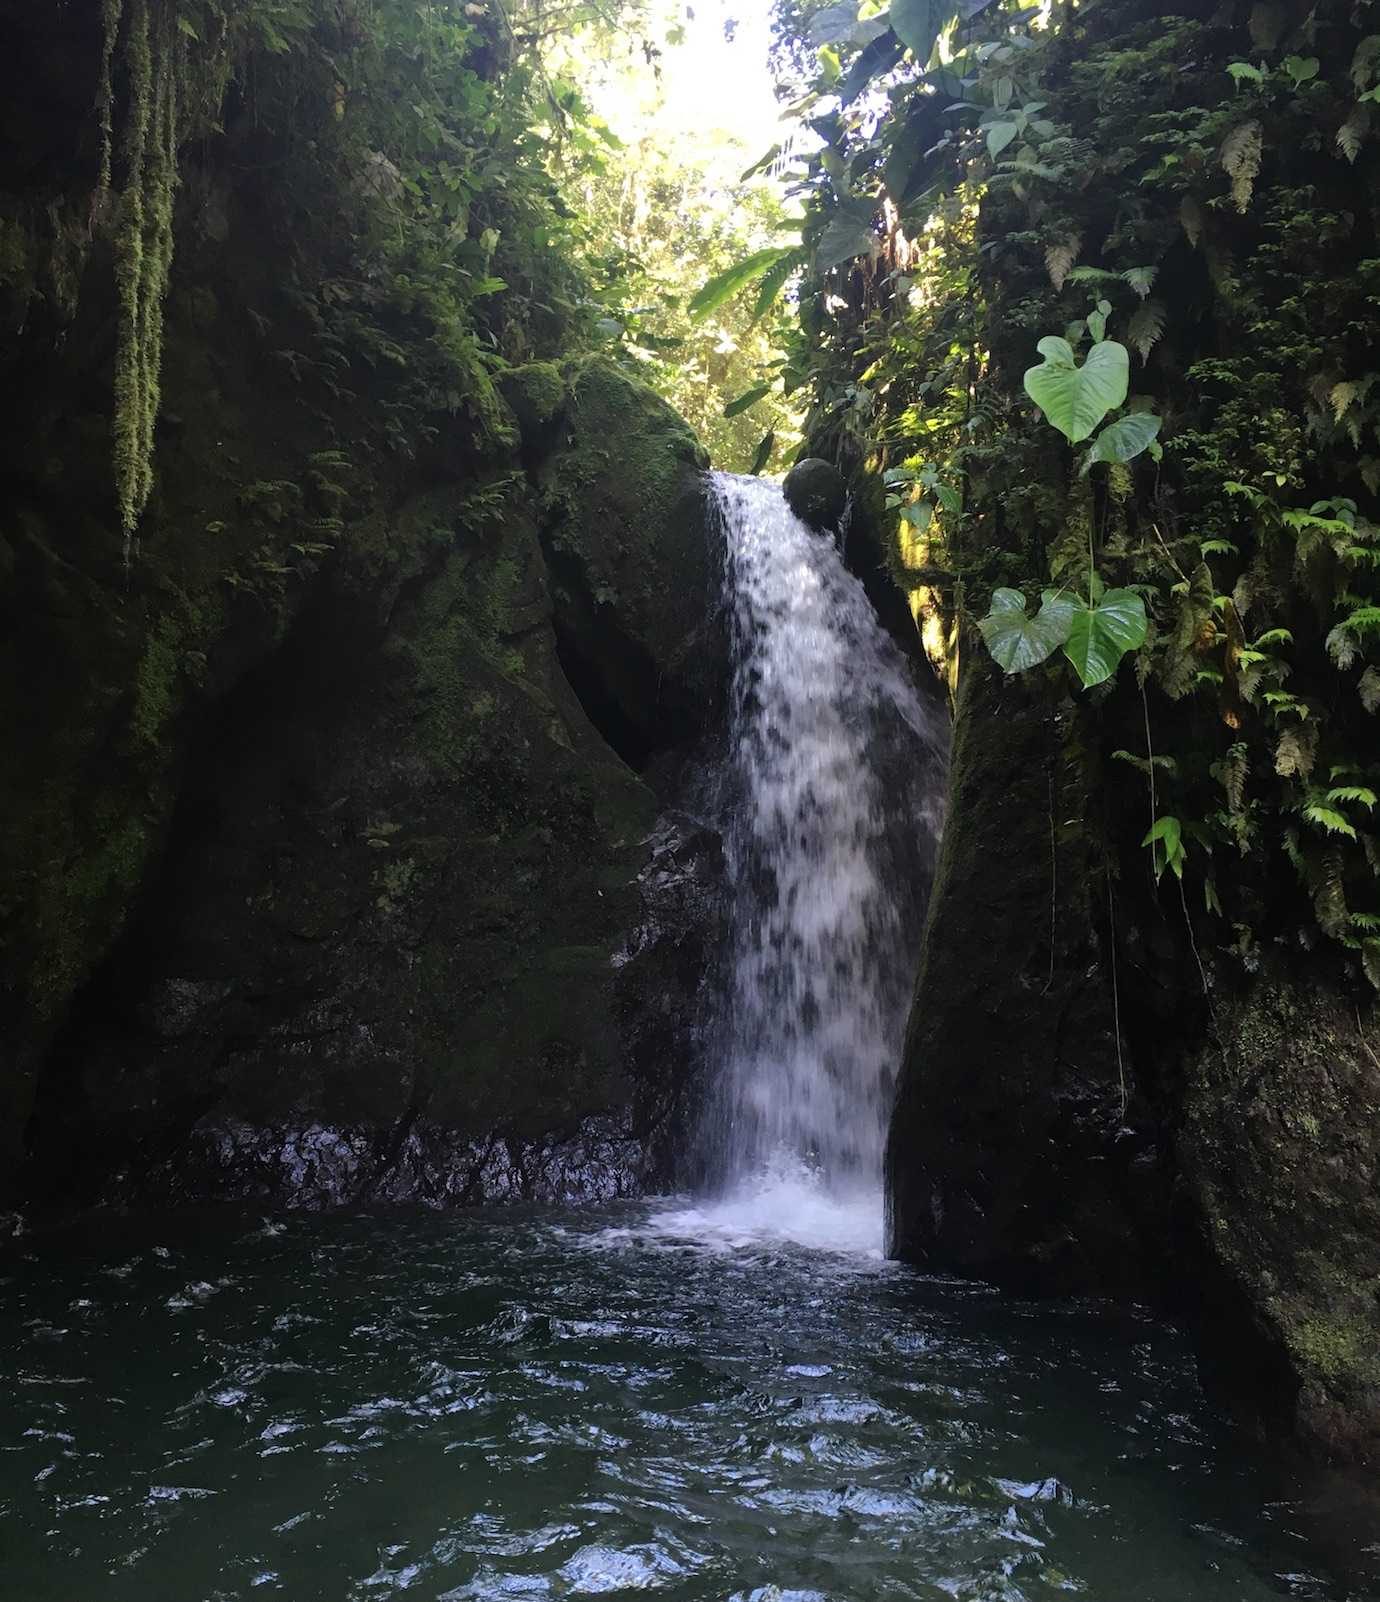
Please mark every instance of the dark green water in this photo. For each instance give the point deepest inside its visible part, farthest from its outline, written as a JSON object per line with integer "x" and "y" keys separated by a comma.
{"x": 602, "y": 1402}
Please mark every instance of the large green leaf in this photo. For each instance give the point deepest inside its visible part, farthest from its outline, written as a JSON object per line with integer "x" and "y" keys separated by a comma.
{"x": 839, "y": 24}
{"x": 880, "y": 56}
{"x": 744, "y": 401}
{"x": 917, "y": 24}
{"x": 1125, "y": 438}
{"x": 1018, "y": 641}
{"x": 774, "y": 281}
{"x": 848, "y": 234}
{"x": 1075, "y": 399}
{"x": 1101, "y": 635}
{"x": 765, "y": 446}
{"x": 727, "y": 283}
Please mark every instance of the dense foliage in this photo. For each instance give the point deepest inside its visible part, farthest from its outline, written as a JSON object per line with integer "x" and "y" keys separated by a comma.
{"x": 448, "y": 131}
{"x": 1194, "y": 192}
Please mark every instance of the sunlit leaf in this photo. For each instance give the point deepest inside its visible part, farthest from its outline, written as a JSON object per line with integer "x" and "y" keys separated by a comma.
{"x": 1101, "y": 635}
{"x": 1075, "y": 399}
{"x": 737, "y": 407}
{"x": 917, "y": 24}
{"x": 1125, "y": 438}
{"x": 848, "y": 234}
{"x": 727, "y": 283}
{"x": 999, "y": 136}
{"x": 1018, "y": 641}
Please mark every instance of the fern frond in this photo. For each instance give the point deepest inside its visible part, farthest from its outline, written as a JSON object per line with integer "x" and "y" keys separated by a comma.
{"x": 1240, "y": 157}
{"x": 1146, "y": 327}
{"x": 1060, "y": 257}
{"x": 1296, "y": 752}
{"x": 1369, "y": 688}
{"x": 1341, "y": 647}
{"x": 1365, "y": 63}
{"x": 1329, "y": 896}
{"x": 1230, "y": 772}
{"x": 1329, "y": 819}
{"x": 1352, "y": 134}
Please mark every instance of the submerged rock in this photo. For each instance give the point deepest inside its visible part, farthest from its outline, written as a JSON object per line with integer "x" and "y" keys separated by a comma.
{"x": 816, "y": 492}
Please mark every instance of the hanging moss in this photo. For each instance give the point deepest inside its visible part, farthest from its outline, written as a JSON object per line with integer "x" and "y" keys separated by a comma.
{"x": 144, "y": 248}
{"x": 111, "y": 13}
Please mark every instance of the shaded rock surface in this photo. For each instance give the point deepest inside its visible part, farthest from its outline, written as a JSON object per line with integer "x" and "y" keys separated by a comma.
{"x": 1012, "y": 1150}
{"x": 1075, "y": 1115}
{"x": 387, "y": 951}
{"x": 1279, "y": 1146}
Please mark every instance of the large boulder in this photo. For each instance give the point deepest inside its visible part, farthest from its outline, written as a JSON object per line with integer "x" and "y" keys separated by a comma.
{"x": 635, "y": 579}
{"x": 1082, "y": 1107}
{"x": 397, "y": 947}
{"x": 816, "y": 492}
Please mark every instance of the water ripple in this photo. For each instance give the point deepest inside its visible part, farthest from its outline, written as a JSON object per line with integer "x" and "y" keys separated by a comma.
{"x": 669, "y": 1398}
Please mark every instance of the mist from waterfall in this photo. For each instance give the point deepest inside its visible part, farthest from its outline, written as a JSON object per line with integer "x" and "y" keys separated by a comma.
{"x": 831, "y": 800}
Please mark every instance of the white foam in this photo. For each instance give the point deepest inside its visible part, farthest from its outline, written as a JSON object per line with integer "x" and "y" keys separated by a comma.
{"x": 831, "y": 798}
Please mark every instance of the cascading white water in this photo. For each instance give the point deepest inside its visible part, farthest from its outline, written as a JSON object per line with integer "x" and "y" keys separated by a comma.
{"x": 831, "y": 802}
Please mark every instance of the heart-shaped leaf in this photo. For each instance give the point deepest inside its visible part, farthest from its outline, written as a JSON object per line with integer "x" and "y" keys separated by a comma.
{"x": 1123, "y": 439}
{"x": 1100, "y": 635}
{"x": 1018, "y": 641}
{"x": 1076, "y": 399}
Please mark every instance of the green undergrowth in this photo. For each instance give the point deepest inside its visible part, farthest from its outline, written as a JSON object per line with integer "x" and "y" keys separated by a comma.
{"x": 1185, "y": 198}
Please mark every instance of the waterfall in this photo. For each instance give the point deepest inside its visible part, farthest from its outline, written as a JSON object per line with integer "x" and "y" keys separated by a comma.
{"x": 831, "y": 800}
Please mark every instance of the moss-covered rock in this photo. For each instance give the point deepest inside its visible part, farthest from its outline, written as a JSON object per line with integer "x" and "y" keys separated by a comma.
{"x": 635, "y": 582}
{"x": 535, "y": 393}
{"x": 1012, "y": 1151}
{"x": 403, "y": 884}
{"x": 1279, "y": 1146}
{"x": 304, "y": 818}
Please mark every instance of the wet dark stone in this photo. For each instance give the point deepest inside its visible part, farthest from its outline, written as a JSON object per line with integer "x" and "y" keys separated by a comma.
{"x": 816, "y": 493}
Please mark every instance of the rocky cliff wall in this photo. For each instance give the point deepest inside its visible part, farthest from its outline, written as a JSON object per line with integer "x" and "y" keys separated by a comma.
{"x": 332, "y": 864}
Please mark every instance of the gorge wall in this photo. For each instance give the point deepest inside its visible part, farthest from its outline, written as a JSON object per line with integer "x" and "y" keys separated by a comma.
{"x": 332, "y": 864}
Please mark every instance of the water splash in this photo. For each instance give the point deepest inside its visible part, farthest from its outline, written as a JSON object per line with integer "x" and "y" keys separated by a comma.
{"x": 832, "y": 800}
{"x": 783, "y": 1204}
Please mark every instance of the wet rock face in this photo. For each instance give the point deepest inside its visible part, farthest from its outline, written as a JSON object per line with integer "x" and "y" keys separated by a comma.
{"x": 1279, "y": 1146}
{"x": 1012, "y": 1151}
{"x": 815, "y": 491}
{"x": 317, "y": 1166}
{"x": 1237, "y": 1174}
{"x": 419, "y": 933}
{"x": 665, "y": 967}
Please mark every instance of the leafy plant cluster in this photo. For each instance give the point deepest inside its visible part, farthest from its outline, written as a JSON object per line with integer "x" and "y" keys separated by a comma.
{"x": 1201, "y": 185}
